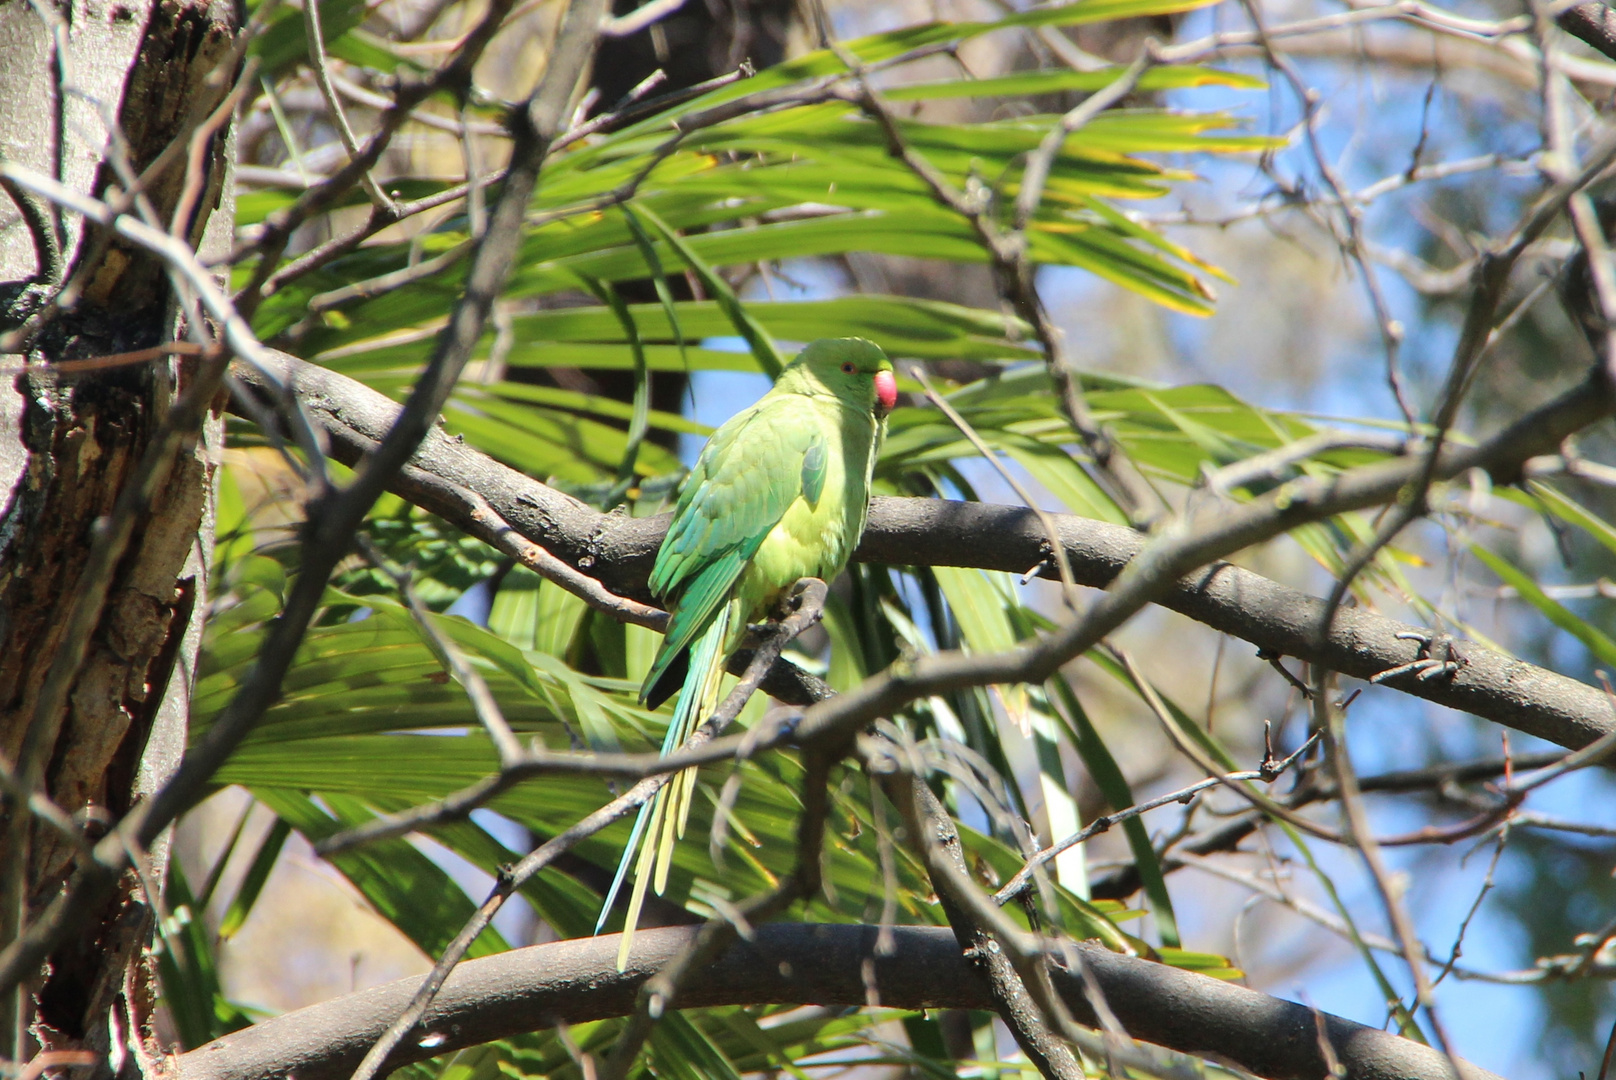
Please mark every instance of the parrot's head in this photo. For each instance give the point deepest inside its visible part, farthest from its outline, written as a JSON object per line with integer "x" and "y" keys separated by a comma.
{"x": 853, "y": 369}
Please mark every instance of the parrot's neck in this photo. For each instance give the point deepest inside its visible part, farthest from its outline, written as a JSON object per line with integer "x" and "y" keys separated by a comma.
{"x": 799, "y": 380}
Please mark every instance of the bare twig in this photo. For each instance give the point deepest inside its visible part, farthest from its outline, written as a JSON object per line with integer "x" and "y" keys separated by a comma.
{"x": 470, "y": 679}
{"x": 1282, "y": 201}
{"x": 1352, "y": 240}
{"x": 1009, "y": 256}
{"x": 1036, "y": 174}
{"x": 627, "y": 25}
{"x": 269, "y": 243}
{"x": 1491, "y": 280}
{"x": 1329, "y": 721}
{"x": 1274, "y": 464}
{"x": 1610, "y": 1052}
{"x": 1057, "y": 550}
{"x": 320, "y": 64}
{"x": 1271, "y": 772}
{"x": 40, "y": 805}
{"x": 57, "y": 1059}
{"x": 1475, "y": 905}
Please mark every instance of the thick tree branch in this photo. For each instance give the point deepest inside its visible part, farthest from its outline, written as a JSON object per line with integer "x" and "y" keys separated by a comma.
{"x": 615, "y": 552}
{"x": 577, "y": 981}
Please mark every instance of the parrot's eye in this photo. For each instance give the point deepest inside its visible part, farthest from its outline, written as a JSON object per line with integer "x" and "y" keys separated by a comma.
{"x": 847, "y": 368}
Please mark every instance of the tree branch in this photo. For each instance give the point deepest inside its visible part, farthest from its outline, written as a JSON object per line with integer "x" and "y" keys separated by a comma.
{"x": 614, "y": 554}
{"x": 577, "y": 981}
{"x": 1594, "y": 24}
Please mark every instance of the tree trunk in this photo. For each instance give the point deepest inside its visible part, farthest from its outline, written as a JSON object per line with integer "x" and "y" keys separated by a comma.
{"x": 98, "y": 716}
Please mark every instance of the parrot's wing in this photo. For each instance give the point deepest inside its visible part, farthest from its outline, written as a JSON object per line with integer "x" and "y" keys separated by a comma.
{"x": 750, "y": 473}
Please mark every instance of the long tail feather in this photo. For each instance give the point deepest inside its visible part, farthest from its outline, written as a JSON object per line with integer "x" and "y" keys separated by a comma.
{"x": 640, "y": 822}
{"x": 642, "y": 875}
{"x": 662, "y": 820}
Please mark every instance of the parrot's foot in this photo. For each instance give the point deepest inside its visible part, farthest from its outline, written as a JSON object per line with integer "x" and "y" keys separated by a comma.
{"x": 805, "y": 597}
{"x": 794, "y": 610}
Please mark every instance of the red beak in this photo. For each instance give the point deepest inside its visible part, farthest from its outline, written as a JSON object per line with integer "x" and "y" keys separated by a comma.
{"x": 886, "y": 392}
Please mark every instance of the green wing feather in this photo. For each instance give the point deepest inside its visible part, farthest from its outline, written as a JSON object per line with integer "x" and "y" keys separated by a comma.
{"x": 747, "y": 477}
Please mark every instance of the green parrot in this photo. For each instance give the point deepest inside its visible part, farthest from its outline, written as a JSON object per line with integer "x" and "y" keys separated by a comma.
{"x": 780, "y": 492}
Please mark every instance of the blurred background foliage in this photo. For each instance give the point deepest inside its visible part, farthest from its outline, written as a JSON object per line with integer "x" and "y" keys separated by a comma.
{"x": 1191, "y": 247}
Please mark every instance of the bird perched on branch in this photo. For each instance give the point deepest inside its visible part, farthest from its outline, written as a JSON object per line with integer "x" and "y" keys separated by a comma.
{"x": 779, "y": 493}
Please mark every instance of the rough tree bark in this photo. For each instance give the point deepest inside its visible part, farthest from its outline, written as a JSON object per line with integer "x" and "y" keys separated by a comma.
{"x": 98, "y": 716}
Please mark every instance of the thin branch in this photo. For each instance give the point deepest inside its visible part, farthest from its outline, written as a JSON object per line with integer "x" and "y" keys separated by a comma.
{"x": 1330, "y": 721}
{"x": 1057, "y": 550}
{"x": 641, "y": 17}
{"x": 269, "y": 242}
{"x": 1221, "y": 868}
{"x": 40, "y": 805}
{"x": 1014, "y": 270}
{"x": 1282, "y": 201}
{"x": 359, "y": 95}
{"x": 487, "y": 710}
{"x": 1104, "y": 823}
{"x": 631, "y": 110}
{"x": 1187, "y": 746}
{"x": 1227, "y": 837}
{"x": 1275, "y": 464}
{"x": 1352, "y": 243}
{"x": 1491, "y": 280}
{"x": 1039, "y": 163}
{"x": 315, "y": 37}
